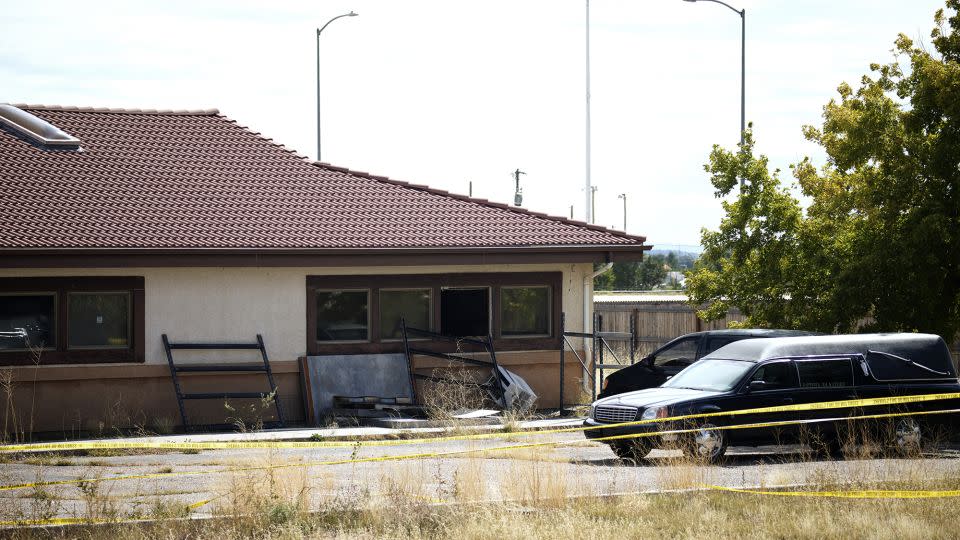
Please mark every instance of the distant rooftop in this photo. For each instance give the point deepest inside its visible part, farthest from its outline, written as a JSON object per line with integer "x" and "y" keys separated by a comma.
{"x": 635, "y": 297}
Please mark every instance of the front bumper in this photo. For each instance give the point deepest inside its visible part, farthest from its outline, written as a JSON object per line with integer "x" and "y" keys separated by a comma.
{"x": 597, "y": 431}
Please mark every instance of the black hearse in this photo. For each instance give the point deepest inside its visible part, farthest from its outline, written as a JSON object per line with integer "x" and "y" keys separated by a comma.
{"x": 758, "y": 373}
{"x": 674, "y": 356}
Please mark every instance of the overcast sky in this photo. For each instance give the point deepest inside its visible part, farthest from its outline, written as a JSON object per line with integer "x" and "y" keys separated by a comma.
{"x": 446, "y": 92}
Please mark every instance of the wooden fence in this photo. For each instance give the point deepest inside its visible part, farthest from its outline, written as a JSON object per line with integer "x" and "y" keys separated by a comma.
{"x": 660, "y": 318}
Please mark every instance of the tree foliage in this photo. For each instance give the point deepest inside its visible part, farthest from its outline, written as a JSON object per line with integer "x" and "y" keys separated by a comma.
{"x": 633, "y": 276}
{"x": 879, "y": 246}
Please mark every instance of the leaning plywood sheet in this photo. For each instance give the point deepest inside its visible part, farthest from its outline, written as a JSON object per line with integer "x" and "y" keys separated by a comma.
{"x": 383, "y": 375}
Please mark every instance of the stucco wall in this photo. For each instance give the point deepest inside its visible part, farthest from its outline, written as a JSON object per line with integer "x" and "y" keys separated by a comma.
{"x": 196, "y": 304}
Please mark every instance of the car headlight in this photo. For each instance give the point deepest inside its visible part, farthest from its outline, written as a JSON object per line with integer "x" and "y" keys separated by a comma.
{"x": 653, "y": 413}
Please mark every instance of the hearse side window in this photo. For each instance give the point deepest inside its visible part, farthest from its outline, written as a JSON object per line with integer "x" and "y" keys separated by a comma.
{"x": 825, "y": 373}
{"x": 681, "y": 353}
{"x": 776, "y": 375}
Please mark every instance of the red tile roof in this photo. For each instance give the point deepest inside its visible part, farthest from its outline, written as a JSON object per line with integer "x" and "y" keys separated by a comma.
{"x": 185, "y": 180}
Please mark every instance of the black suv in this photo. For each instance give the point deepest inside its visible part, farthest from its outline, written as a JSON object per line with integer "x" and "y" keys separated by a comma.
{"x": 759, "y": 373}
{"x": 667, "y": 361}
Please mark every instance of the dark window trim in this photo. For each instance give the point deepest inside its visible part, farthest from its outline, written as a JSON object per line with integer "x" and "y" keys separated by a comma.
{"x": 369, "y": 292}
{"x": 380, "y": 291}
{"x": 435, "y": 282}
{"x": 549, "y": 310}
{"x": 59, "y": 354}
{"x": 128, "y": 294}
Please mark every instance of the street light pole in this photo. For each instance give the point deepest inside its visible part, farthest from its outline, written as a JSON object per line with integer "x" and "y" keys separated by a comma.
{"x": 624, "y": 197}
{"x": 743, "y": 65}
{"x": 351, "y": 14}
{"x": 589, "y": 191}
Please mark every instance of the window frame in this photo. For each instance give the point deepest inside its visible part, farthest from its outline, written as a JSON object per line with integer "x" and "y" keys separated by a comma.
{"x": 56, "y": 322}
{"x": 435, "y": 282}
{"x": 129, "y": 296}
{"x": 369, "y": 292}
{"x": 61, "y": 287}
{"x": 430, "y": 308}
{"x": 549, "y": 311}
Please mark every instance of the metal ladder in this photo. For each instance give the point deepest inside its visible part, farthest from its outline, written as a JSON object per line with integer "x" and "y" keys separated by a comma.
{"x": 220, "y": 368}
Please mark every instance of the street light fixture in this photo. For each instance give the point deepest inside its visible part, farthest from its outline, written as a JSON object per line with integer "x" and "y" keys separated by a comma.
{"x": 319, "y": 30}
{"x": 743, "y": 59}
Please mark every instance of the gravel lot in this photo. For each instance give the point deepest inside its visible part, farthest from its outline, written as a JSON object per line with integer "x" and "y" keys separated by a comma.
{"x": 581, "y": 469}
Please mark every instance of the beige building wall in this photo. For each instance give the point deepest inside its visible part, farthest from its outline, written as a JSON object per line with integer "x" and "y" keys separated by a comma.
{"x": 235, "y": 304}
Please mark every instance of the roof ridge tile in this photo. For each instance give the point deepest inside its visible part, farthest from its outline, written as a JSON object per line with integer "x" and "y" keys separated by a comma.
{"x": 117, "y": 110}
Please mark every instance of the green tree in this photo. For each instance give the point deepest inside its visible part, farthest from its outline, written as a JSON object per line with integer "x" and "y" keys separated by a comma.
{"x": 633, "y": 276}
{"x": 879, "y": 246}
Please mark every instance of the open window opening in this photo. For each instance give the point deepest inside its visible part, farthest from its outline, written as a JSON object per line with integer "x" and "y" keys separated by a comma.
{"x": 465, "y": 311}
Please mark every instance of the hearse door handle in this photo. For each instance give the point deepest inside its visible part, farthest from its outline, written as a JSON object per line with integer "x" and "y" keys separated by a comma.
{"x": 788, "y": 400}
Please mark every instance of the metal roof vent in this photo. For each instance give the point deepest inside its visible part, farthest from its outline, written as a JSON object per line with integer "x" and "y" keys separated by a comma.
{"x": 35, "y": 128}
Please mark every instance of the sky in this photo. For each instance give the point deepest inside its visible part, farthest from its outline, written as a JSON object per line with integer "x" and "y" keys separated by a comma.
{"x": 448, "y": 92}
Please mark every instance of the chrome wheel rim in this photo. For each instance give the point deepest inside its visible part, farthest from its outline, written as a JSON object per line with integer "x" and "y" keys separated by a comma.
{"x": 708, "y": 441}
{"x": 908, "y": 433}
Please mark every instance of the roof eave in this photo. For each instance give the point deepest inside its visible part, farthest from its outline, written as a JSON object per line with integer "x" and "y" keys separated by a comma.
{"x": 340, "y": 257}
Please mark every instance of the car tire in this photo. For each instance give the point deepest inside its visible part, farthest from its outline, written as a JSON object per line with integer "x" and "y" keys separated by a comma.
{"x": 631, "y": 450}
{"x": 708, "y": 444}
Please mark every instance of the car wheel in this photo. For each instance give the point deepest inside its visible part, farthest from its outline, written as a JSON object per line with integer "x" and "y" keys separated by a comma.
{"x": 707, "y": 444}
{"x": 631, "y": 450}
{"x": 908, "y": 436}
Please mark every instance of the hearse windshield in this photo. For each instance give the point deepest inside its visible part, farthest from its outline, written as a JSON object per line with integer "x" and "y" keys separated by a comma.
{"x": 711, "y": 375}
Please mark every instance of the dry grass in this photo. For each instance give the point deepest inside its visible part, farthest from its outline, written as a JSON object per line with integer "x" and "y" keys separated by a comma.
{"x": 533, "y": 493}
{"x": 674, "y": 515}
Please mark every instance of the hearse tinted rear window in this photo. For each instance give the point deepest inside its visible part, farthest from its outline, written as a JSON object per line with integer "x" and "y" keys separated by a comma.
{"x": 825, "y": 373}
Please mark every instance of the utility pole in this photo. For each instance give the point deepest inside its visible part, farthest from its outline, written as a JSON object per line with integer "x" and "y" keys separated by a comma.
{"x": 470, "y": 188}
{"x": 571, "y": 211}
{"x": 589, "y": 190}
{"x": 624, "y": 197}
{"x": 593, "y": 209}
{"x": 517, "y": 196}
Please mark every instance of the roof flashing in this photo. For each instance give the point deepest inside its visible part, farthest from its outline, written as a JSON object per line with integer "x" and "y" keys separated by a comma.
{"x": 35, "y": 127}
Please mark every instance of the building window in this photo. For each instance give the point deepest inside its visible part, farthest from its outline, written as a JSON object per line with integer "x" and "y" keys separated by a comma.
{"x": 27, "y": 320}
{"x": 410, "y": 305}
{"x": 71, "y": 320}
{"x": 524, "y": 311}
{"x": 343, "y": 315}
{"x": 361, "y": 313}
{"x": 465, "y": 311}
{"x": 99, "y": 320}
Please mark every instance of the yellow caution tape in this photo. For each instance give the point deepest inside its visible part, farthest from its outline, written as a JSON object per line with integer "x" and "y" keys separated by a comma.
{"x": 53, "y": 522}
{"x": 250, "y": 445}
{"x": 853, "y": 494}
{"x": 427, "y": 455}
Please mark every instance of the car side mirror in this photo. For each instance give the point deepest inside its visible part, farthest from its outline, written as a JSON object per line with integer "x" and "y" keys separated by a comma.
{"x": 757, "y": 385}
